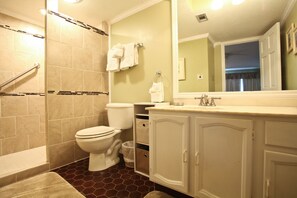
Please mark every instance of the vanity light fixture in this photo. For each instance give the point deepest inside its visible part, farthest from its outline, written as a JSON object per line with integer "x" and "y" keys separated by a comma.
{"x": 217, "y": 4}
{"x": 72, "y": 1}
{"x": 237, "y": 2}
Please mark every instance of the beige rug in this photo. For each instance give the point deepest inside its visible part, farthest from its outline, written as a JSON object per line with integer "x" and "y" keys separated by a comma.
{"x": 157, "y": 194}
{"x": 44, "y": 185}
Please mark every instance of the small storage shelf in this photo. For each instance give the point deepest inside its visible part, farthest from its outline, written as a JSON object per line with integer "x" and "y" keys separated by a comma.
{"x": 141, "y": 137}
{"x": 142, "y": 159}
{"x": 142, "y": 131}
{"x": 142, "y": 115}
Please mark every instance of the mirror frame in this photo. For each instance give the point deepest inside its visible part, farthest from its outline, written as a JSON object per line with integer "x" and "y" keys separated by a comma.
{"x": 284, "y": 94}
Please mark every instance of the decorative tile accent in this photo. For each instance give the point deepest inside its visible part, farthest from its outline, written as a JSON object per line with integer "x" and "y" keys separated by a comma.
{"x": 78, "y": 23}
{"x": 77, "y": 92}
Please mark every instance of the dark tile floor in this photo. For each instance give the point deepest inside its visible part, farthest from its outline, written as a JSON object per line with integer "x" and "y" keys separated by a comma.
{"x": 117, "y": 181}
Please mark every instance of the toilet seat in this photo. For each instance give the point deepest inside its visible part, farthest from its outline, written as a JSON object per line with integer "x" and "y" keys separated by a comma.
{"x": 94, "y": 132}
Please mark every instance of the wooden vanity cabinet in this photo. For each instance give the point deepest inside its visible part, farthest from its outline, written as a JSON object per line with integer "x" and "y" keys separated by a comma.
{"x": 280, "y": 158}
{"x": 209, "y": 155}
{"x": 201, "y": 156}
{"x": 223, "y": 155}
{"x": 169, "y": 150}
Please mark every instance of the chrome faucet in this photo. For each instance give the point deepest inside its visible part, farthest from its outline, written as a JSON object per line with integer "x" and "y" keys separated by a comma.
{"x": 206, "y": 101}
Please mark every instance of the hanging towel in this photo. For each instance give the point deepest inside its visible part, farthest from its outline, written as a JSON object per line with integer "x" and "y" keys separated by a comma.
{"x": 130, "y": 57}
{"x": 157, "y": 92}
{"x": 113, "y": 64}
{"x": 118, "y": 51}
{"x": 113, "y": 58}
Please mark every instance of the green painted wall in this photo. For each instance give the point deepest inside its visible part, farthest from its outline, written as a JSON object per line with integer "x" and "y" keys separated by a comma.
{"x": 152, "y": 27}
{"x": 289, "y": 61}
{"x": 196, "y": 54}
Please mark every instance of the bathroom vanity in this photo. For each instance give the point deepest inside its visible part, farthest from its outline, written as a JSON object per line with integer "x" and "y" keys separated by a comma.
{"x": 224, "y": 151}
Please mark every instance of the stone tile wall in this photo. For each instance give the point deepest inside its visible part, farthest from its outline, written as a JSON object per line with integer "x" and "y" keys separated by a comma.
{"x": 76, "y": 61}
{"x": 22, "y": 118}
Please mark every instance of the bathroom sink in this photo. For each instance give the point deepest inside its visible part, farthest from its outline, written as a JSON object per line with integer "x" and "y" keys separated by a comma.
{"x": 196, "y": 107}
{"x": 202, "y": 107}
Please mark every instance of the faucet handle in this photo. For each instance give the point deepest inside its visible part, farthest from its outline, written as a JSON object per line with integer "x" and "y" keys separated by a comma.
{"x": 212, "y": 101}
{"x": 201, "y": 100}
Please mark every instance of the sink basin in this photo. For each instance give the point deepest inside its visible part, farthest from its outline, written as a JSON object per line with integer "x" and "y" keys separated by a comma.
{"x": 196, "y": 107}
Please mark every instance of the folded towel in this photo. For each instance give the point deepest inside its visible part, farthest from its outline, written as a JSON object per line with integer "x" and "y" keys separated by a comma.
{"x": 157, "y": 92}
{"x": 113, "y": 64}
{"x": 130, "y": 57}
{"x": 113, "y": 58}
{"x": 118, "y": 51}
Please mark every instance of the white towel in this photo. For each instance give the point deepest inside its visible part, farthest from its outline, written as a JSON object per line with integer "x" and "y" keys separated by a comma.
{"x": 130, "y": 57}
{"x": 157, "y": 92}
{"x": 113, "y": 64}
{"x": 113, "y": 58}
{"x": 118, "y": 51}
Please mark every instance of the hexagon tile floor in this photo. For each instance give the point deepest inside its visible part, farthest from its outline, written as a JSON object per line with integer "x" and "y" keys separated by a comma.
{"x": 117, "y": 181}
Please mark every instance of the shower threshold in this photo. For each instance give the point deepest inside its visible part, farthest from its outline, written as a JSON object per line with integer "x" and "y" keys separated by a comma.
{"x": 20, "y": 161}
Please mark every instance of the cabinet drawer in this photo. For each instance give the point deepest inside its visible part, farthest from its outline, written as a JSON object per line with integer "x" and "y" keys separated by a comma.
{"x": 142, "y": 131}
{"x": 281, "y": 134}
{"x": 142, "y": 160}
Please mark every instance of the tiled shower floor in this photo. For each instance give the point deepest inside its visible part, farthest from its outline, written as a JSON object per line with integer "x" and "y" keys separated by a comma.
{"x": 117, "y": 181}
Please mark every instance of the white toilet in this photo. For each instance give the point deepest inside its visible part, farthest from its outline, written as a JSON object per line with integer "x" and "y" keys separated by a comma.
{"x": 102, "y": 142}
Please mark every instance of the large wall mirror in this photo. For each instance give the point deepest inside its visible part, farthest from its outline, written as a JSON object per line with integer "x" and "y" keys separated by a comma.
{"x": 235, "y": 46}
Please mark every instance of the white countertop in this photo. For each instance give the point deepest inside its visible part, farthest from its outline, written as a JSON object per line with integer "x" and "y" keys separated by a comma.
{"x": 243, "y": 110}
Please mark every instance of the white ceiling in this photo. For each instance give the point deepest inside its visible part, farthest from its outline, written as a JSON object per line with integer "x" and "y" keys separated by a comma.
{"x": 251, "y": 18}
{"x": 92, "y": 12}
{"x": 27, "y": 10}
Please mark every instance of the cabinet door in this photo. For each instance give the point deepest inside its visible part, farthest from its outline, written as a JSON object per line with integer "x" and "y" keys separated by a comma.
{"x": 223, "y": 153}
{"x": 169, "y": 151}
{"x": 280, "y": 175}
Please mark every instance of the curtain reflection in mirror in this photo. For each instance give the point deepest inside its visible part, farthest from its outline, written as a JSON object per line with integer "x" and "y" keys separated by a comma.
{"x": 249, "y": 81}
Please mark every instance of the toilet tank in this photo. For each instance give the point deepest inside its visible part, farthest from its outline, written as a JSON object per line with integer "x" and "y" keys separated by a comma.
{"x": 120, "y": 115}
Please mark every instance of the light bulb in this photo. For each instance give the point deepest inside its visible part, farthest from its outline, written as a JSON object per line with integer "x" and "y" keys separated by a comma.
{"x": 42, "y": 11}
{"x": 217, "y": 4}
{"x": 237, "y": 2}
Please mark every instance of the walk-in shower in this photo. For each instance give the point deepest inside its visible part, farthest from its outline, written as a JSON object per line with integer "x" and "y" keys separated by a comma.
{"x": 22, "y": 94}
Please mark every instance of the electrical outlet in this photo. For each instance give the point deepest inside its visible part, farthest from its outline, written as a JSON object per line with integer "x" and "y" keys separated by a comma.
{"x": 199, "y": 76}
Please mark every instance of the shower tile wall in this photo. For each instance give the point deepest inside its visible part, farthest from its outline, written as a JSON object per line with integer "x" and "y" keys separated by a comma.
{"x": 22, "y": 118}
{"x": 76, "y": 61}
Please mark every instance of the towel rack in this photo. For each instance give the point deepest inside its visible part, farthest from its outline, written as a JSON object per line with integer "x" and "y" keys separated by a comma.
{"x": 36, "y": 66}
{"x": 158, "y": 76}
{"x": 139, "y": 44}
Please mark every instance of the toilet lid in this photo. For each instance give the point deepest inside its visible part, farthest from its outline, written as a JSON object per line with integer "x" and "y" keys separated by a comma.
{"x": 93, "y": 132}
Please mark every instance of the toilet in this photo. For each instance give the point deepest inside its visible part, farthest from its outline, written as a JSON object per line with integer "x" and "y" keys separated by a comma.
{"x": 103, "y": 142}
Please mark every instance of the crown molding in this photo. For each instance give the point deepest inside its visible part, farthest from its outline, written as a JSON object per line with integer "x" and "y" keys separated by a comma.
{"x": 133, "y": 11}
{"x": 287, "y": 11}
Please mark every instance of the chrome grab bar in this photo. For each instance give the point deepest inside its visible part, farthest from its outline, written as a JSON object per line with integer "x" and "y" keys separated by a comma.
{"x": 36, "y": 65}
